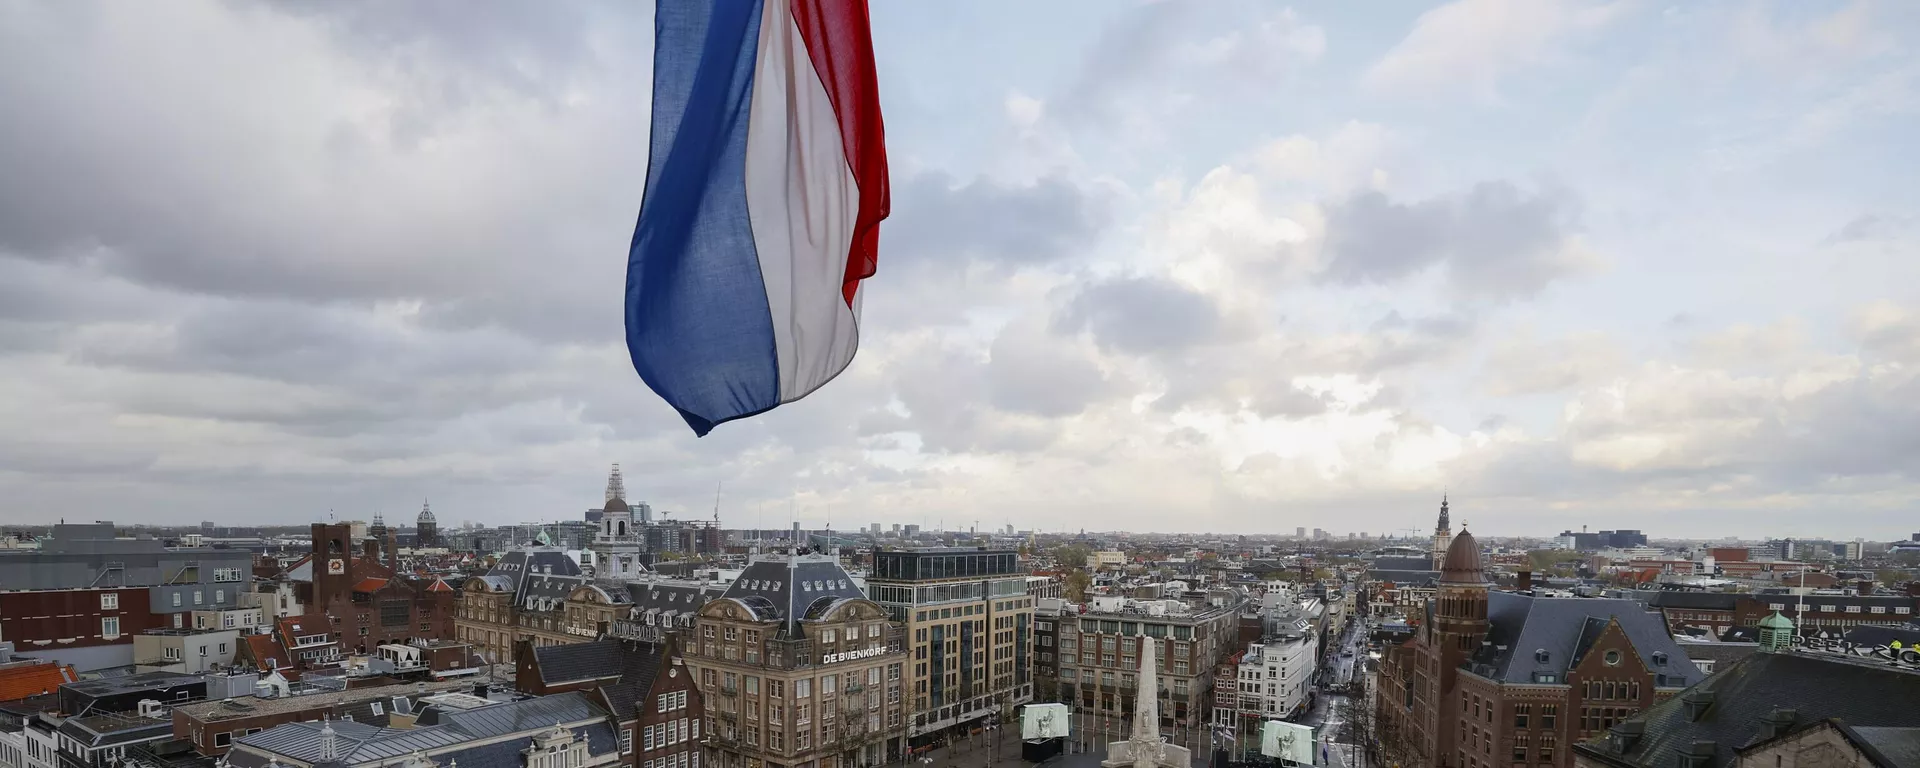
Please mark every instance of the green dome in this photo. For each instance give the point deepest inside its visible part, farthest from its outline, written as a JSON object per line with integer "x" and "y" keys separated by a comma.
{"x": 1776, "y": 621}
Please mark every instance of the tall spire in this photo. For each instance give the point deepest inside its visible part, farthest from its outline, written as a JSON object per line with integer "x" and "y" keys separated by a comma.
{"x": 1444, "y": 524}
{"x": 616, "y": 485}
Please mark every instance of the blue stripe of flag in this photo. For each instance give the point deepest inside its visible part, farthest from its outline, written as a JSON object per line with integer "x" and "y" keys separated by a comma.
{"x": 698, "y": 327}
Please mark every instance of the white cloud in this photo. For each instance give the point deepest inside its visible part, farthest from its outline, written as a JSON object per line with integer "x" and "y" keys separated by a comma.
{"x": 1472, "y": 45}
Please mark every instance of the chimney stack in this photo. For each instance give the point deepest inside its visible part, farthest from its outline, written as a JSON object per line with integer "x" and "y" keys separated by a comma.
{"x": 1524, "y": 581}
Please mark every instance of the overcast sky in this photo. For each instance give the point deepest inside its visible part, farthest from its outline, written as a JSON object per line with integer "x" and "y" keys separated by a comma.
{"x": 1223, "y": 266}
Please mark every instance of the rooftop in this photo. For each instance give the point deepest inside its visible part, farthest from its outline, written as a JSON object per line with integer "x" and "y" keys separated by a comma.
{"x": 1731, "y": 709}
{"x": 108, "y": 686}
{"x": 251, "y": 706}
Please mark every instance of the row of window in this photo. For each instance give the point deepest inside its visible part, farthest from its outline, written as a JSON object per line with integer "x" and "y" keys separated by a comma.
{"x": 776, "y": 738}
{"x": 1898, "y": 609}
{"x": 802, "y": 688}
{"x": 1611, "y": 689}
{"x": 1102, "y": 626}
{"x": 670, "y": 733}
{"x": 1549, "y": 715}
{"x": 687, "y": 759}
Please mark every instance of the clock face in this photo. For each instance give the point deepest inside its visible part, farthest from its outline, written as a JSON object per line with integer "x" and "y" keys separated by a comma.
{"x": 336, "y": 566}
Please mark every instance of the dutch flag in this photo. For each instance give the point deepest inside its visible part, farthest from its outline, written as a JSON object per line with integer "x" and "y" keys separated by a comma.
{"x": 765, "y": 190}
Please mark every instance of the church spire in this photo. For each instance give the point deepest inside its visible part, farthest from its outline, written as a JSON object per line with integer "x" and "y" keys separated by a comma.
{"x": 616, "y": 485}
{"x": 1444, "y": 526}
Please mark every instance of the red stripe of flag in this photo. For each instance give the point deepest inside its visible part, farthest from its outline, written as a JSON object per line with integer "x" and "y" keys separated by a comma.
{"x": 839, "y": 41}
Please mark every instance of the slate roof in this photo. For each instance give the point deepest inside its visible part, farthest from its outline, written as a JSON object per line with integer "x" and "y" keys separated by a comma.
{"x": 1898, "y": 746}
{"x": 518, "y": 564}
{"x": 1397, "y": 563}
{"x": 786, "y": 586}
{"x": 1868, "y": 634}
{"x": 672, "y": 594}
{"x": 1521, "y": 625}
{"x": 1721, "y": 654}
{"x": 1414, "y": 578}
{"x": 577, "y": 662}
{"x": 541, "y": 592}
{"x": 1859, "y": 692}
{"x": 108, "y": 730}
{"x": 441, "y": 739}
{"x": 1694, "y": 601}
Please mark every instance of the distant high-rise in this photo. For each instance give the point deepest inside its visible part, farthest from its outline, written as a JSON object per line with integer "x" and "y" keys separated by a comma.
{"x": 874, "y": 529}
{"x": 1300, "y": 532}
{"x": 426, "y": 531}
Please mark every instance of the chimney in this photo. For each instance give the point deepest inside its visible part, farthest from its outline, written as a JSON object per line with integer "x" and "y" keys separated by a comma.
{"x": 1865, "y": 587}
{"x": 1524, "y": 582}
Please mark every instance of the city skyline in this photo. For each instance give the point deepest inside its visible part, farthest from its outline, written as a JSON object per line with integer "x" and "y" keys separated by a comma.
{"x": 1233, "y": 267}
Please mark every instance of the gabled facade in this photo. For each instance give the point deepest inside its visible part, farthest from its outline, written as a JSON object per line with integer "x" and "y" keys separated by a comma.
{"x": 650, "y": 692}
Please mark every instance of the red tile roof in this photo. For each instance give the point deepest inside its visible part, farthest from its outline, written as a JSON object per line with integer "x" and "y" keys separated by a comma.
{"x": 439, "y": 585}
{"x": 266, "y": 652}
{"x": 33, "y": 680}
{"x": 369, "y": 585}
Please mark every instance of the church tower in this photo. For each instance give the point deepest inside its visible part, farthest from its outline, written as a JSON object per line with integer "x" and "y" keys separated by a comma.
{"x": 1442, "y": 536}
{"x": 617, "y": 543}
{"x": 1459, "y": 623}
{"x": 426, "y": 531}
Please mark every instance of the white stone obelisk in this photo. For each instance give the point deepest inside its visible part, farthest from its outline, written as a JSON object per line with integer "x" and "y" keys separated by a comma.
{"x": 1144, "y": 749}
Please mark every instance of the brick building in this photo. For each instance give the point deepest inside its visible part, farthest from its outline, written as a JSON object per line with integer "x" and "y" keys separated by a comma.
{"x": 645, "y": 685}
{"x": 1501, "y": 678}
{"x": 362, "y": 597}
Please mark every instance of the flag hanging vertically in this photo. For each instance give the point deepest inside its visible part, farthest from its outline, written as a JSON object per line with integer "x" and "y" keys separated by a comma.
{"x": 765, "y": 190}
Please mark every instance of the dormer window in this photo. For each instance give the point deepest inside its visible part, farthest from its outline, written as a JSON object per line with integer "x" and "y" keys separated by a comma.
{"x": 1541, "y": 656}
{"x": 1659, "y": 658}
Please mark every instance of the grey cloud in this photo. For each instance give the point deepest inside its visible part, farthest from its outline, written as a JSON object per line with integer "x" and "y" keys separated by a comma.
{"x": 281, "y": 182}
{"x": 1141, "y": 315}
{"x": 1030, "y": 372}
{"x": 940, "y": 224}
{"x": 1495, "y": 239}
{"x": 941, "y": 386}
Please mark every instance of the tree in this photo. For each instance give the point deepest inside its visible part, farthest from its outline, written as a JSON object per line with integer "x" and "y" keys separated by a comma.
{"x": 1553, "y": 560}
{"x": 1076, "y": 586}
{"x": 1072, "y": 555}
